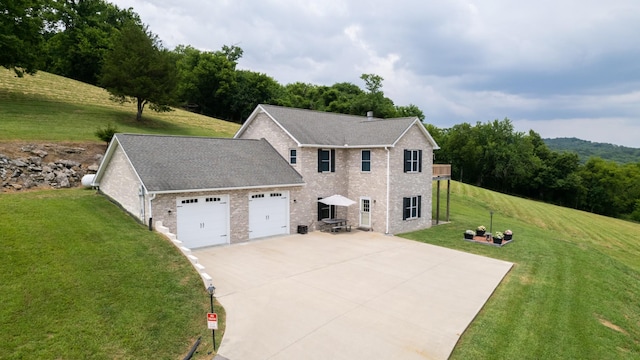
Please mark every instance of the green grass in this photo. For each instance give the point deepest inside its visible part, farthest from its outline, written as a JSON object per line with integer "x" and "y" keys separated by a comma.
{"x": 47, "y": 107}
{"x": 80, "y": 279}
{"x": 574, "y": 290}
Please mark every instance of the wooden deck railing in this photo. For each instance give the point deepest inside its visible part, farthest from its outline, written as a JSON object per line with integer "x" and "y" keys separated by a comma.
{"x": 441, "y": 171}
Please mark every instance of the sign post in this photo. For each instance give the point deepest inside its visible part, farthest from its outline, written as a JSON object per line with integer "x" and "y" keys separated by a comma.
{"x": 212, "y": 317}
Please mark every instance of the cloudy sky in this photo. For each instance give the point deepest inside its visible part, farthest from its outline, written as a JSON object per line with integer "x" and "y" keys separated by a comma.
{"x": 564, "y": 68}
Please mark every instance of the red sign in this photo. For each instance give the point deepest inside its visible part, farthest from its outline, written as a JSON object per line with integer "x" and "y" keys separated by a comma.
{"x": 212, "y": 321}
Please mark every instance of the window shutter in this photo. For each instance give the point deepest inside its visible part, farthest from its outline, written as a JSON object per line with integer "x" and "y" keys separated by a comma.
{"x": 406, "y": 203}
{"x": 320, "y": 205}
{"x": 419, "y": 203}
{"x": 419, "y": 163}
{"x": 407, "y": 163}
{"x": 319, "y": 160}
{"x": 333, "y": 160}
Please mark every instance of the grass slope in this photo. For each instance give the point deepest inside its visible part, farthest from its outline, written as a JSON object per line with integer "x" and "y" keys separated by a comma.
{"x": 47, "y": 107}
{"x": 80, "y": 279}
{"x": 573, "y": 293}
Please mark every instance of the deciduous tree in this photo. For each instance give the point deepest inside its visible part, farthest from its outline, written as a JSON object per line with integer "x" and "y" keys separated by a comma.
{"x": 138, "y": 67}
{"x": 21, "y": 35}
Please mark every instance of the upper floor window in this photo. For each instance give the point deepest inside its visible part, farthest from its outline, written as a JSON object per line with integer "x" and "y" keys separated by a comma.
{"x": 413, "y": 161}
{"x": 326, "y": 160}
{"x": 366, "y": 161}
{"x": 411, "y": 207}
{"x": 293, "y": 156}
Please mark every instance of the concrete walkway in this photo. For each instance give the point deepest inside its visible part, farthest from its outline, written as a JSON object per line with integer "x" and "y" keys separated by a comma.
{"x": 356, "y": 295}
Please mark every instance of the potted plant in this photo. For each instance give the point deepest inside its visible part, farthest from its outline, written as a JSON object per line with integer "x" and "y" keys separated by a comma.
{"x": 508, "y": 234}
{"x": 480, "y": 230}
{"x": 469, "y": 234}
{"x": 497, "y": 237}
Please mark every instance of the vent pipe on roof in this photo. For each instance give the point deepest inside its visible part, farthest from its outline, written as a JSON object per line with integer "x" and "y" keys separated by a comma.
{"x": 369, "y": 115}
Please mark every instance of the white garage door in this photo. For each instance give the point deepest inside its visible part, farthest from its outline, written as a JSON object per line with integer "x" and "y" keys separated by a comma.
{"x": 203, "y": 220}
{"x": 268, "y": 214}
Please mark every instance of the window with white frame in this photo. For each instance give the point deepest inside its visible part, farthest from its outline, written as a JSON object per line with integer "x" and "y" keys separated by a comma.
{"x": 411, "y": 207}
{"x": 413, "y": 161}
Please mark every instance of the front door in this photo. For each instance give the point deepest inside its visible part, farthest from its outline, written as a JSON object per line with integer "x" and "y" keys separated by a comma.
{"x": 365, "y": 212}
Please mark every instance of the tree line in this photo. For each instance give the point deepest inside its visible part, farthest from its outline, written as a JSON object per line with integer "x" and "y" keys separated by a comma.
{"x": 493, "y": 155}
{"x": 98, "y": 43}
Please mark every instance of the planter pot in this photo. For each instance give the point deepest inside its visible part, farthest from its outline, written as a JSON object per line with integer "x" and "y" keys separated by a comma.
{"x": 508, "y": 237}
{"x": 497, "y": 241}
{"x": 468, "y": 236}
{"x": 480, "y": 233}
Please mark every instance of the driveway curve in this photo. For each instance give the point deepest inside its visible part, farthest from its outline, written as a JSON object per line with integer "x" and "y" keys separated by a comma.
{"x": 359, "y": 295}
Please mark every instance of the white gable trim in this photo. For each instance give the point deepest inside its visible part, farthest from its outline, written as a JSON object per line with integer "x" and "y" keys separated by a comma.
{"x": 254, "y": 114}
{"x": 424, "y": 132}
{"x": 111, "y": 149}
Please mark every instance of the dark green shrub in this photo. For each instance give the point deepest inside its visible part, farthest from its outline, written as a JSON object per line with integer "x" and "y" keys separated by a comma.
{"x": 107, "y": 133}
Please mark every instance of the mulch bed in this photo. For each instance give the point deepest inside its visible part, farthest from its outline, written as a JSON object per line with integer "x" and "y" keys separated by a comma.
{"x": 483, "y": 240}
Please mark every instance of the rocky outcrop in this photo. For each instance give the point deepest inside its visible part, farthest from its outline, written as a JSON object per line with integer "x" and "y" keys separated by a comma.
{"x": 37, "y": 169}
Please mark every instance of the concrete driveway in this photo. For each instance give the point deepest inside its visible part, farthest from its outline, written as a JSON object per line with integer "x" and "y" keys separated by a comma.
{"x": 358, "y": 295}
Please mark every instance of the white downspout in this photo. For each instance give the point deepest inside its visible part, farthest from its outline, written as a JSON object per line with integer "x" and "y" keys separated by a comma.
{"x": 151, "y": 197}
{"x": 388, "y": 185}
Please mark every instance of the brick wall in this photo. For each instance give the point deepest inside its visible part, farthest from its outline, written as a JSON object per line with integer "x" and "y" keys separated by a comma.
{"x": 120, "y": 183}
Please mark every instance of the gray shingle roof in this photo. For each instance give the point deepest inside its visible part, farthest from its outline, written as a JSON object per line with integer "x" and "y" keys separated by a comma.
{"x": 323, "y": 128}
{"x": 173, "y": 163}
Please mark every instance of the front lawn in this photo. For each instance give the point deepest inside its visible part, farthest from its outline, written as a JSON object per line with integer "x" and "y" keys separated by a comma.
{"x": 81, "y": 279}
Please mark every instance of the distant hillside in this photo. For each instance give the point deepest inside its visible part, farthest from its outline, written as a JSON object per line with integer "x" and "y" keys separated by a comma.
{"x": 586, "y": 149}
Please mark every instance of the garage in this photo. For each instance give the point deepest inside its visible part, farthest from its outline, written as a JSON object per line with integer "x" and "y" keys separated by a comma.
{"x": 203, "y": 220}
{"x": 268, "y": 214}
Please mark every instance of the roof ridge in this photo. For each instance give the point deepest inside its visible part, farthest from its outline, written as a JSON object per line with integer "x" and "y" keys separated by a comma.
{"x": 182, "y": 136}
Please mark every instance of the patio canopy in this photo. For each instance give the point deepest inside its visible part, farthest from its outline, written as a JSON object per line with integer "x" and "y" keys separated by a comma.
{"x": 338, "y": 200}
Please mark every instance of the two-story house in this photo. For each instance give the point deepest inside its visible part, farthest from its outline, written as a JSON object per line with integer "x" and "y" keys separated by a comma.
{"x": 385, "y": 165}
{"x": 269, "y": 178}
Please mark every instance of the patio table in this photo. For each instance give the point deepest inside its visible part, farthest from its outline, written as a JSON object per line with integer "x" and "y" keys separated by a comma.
{"x": 336, "y": 224}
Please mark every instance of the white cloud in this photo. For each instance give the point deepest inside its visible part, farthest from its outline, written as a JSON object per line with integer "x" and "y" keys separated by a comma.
{"x": 619, "y": 131}
{"x": 547, "y": 64}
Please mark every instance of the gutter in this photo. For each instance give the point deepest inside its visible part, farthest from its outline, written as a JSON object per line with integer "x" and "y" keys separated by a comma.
{"x": 151, "y": 198}
{"x": 225, "y": 189}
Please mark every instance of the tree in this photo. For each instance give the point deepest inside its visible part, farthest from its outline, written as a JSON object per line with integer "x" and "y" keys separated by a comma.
{"x": 409, "y": 111}
{"x": 138, "y": 67}
{"x": 86, "y": 29}
{"x": 251, "y": 89}
{"x": 207, "y": 79}
{"x": 21, "y": 35}
{"x": 373, "y": 100}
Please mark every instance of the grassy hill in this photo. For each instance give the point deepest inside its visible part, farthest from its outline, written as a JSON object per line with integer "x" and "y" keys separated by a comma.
{"x": 47, "y": 107}
{"x": 80, "y": 277}
{"x": 586, "y": 149}
{"x": 573, "y": 292}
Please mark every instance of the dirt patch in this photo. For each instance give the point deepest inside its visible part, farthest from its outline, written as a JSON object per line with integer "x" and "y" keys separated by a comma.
{"x": 611, "y": 325}
{"x": 82, "y": 152}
